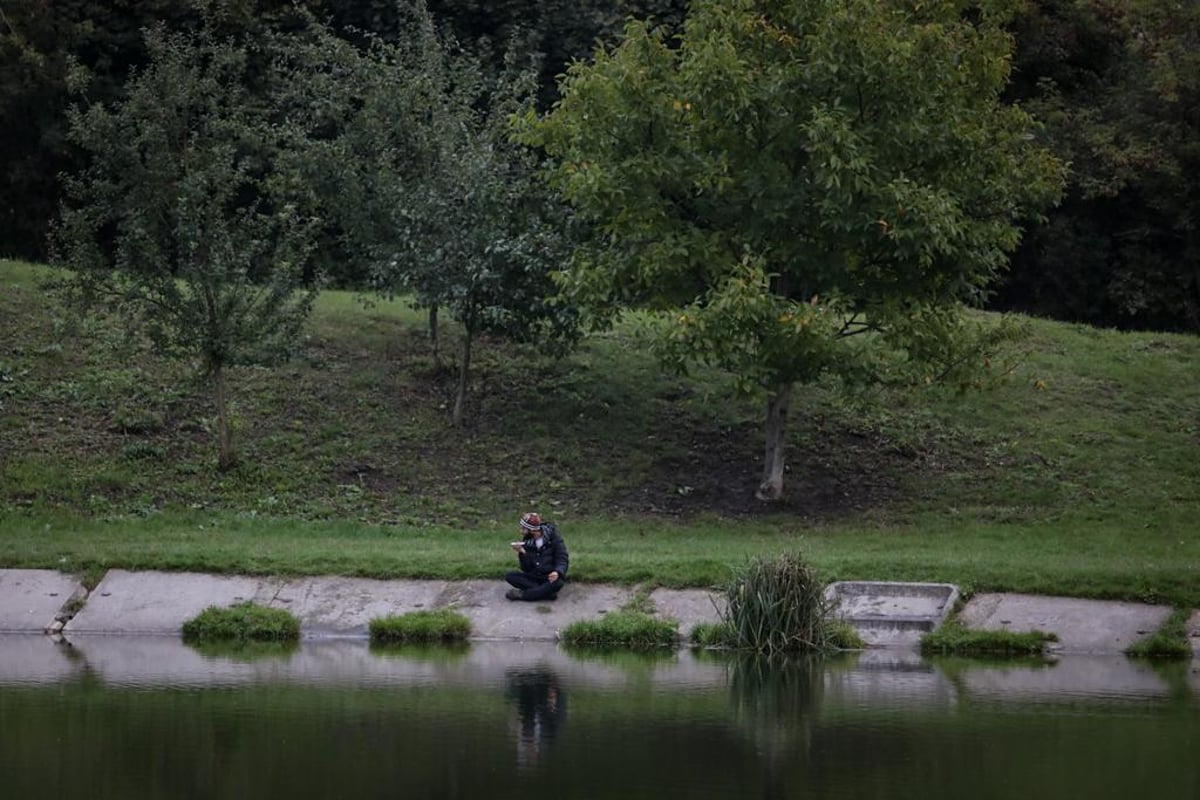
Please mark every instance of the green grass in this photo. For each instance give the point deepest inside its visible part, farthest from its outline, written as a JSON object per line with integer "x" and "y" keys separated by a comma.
{"x": 952, "y": 638}
{"x": 625, "y": 628}
{"x": 1077, "y": 477}
{"x": 1169, "y": 641}
{"x": 442, "y": 625}
{"x": 721, "y": 636}
{"x": 717, "y": 635}
{"x": 843, "y": 636}
{"x": 242, "y": 622}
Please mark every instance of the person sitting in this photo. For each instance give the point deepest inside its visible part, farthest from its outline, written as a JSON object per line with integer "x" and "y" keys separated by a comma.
{"x": 543, "y": 557}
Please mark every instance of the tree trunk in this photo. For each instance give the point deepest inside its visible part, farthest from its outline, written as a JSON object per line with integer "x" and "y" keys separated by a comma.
{"x": 433, "y": 333}
{"x": 227, "y": 458}
{"x": 771, "y": 487}
{"x": 460, "y": 395}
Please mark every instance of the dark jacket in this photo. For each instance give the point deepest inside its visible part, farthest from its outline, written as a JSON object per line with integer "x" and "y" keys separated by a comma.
{"x": 553, "y": 556}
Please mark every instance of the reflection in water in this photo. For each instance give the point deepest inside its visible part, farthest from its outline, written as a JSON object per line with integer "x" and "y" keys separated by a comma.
{"x": 245, "y": 651}
{"x": 541, "y": 706}
{"x": 774, "y": 703}
{"x": 429, "y": 652}
{"x": 116, "y": 718}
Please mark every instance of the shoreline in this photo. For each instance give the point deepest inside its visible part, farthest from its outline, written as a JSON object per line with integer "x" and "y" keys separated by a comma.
{"x": 158, "y": 603}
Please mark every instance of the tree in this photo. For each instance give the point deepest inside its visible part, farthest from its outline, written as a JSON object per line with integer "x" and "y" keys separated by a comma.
{"x": 180, "y": 223}
{"x": 443, "y": 205}
{"x": 483, "y": 235}
{"x": 807, "y": 186}
{"x": 43, "y": 43}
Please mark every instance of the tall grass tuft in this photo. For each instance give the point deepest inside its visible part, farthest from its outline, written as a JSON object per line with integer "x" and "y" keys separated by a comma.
{"x": 625, "y": 628}
{"x": 777, "y": 605}
{"x": 1169, "y": 641}
{"x": 242, "y": 622}
{"x": 713, "y": 634}
{"x": 954, "y": 638}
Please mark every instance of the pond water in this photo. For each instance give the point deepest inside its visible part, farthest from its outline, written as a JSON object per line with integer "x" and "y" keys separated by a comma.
{"x": 111, "y": 717}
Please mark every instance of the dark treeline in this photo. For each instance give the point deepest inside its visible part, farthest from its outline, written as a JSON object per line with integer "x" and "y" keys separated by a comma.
{"x": 1116, "y": 82}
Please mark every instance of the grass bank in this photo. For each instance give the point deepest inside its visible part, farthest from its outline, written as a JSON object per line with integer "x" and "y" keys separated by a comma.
{"x": 1079, "y": 476}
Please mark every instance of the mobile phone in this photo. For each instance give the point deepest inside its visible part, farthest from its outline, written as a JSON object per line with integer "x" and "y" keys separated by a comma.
{"x": 516, "y": 544}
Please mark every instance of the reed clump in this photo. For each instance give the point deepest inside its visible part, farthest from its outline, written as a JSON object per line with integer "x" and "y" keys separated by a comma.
{"x": 777, "y": 605}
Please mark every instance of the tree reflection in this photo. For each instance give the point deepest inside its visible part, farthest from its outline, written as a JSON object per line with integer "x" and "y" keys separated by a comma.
{"x": 541, "y": 705}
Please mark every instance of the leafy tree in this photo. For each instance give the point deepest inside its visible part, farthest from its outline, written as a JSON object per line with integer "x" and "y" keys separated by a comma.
{"x": 809, "y": 186}
{"x": 43, "y": 43}
{"x": 179, "y": 221}
{"x": 484, "y": 238}
{"x": 429, "y": 188}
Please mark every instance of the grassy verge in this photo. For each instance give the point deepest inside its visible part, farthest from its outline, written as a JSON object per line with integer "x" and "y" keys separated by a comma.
{"x": 1169, "y": 641}
{"x": 1078, "y": 477}
{"x": 952, "y": 638}
{"x": 242, "y": 622}
{"x": 1096, "y": 561}
{"x": 442, "y": 625}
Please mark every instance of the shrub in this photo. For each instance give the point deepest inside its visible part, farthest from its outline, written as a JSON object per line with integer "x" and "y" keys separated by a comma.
{"x": 955, "y": 638}
{"x": 442, "y": 625}
{"x": 242, "y": 622}
{"x": 625, "y": 629}
{"x": 778, "y": 606}
{"x": 1169, "y": 641}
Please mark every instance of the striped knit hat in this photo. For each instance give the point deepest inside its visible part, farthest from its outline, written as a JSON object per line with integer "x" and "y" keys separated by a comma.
{"x": 531, "y": 521}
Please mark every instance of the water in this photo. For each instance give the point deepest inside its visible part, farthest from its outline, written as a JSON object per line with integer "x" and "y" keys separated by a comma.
{"x": 152, "y": 718}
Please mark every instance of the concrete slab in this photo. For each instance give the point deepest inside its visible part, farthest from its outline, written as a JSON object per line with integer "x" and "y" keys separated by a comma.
{"x": 892, "y": 614}
{"x": 160, "y": 602}
{"x": 689, "y": 606}
{"x": 336, "y": 606}
{"x": 493, "y": 617}
{"x": 1082, "y": 626}
{"x": 886, "y": 614}
{"x": 30, "y": 598}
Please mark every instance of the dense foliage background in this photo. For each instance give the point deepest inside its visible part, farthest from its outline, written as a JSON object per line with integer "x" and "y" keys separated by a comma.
{"x": 1115, "y": 82}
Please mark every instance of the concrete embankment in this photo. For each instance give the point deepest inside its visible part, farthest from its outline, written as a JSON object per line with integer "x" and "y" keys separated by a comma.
{"x": 895, "y": 615}
{"x": 160, "y": 602}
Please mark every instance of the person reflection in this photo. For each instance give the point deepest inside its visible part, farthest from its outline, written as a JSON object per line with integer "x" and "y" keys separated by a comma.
{"x": 541, "y": 706}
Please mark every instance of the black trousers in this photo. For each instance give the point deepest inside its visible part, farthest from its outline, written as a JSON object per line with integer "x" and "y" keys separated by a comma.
{"x": 534, "y": 587}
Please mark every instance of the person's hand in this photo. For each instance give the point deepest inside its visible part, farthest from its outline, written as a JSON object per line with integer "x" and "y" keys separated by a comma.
{"x": 552, "y": 577}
